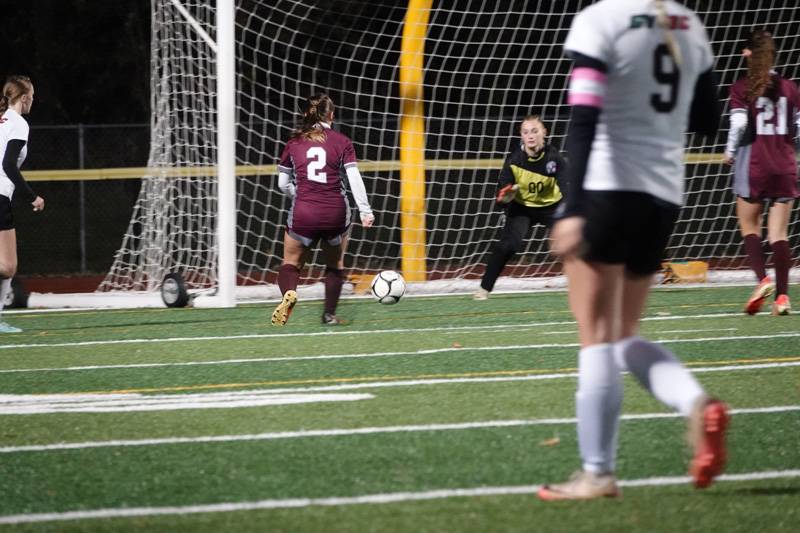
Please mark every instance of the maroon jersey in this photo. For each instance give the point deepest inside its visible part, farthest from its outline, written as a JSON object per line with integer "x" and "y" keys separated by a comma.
{"x": 765, "y": 165}
{"x": 320, "y": 207}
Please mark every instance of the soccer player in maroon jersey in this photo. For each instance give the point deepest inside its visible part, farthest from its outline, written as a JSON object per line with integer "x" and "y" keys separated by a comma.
{"x": 310, "y": 173}
{"x": 765, "y": 115}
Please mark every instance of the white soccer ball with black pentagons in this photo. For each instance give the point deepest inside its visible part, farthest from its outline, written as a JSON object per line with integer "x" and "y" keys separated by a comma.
{"x": 388, "y": 287}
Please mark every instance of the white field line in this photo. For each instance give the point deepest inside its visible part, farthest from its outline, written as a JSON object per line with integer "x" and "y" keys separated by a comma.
{"x": 33, "y": 404}
{"x": 443, "y": 381}
{"x": 696, "y": 330}
{"x": 102, "y": 402}
{"x": 499, "y": 379}
{"x": 428, "y": 351}
{"x": 337, "y": 333}
{"x": 313, "y": 433}
{"x": 366, "y": 499}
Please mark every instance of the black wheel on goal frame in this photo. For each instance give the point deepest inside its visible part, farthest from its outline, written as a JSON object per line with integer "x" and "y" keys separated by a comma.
{"x": 173, "y": 290}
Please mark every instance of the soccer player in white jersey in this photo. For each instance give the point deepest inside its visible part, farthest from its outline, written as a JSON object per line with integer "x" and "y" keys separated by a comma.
{"x": 16, "y": 100}
{"x": 642, "y": 73}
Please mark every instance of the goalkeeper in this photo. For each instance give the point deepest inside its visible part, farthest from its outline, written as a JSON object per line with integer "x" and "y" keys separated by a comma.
{"x": 529, "y": 190}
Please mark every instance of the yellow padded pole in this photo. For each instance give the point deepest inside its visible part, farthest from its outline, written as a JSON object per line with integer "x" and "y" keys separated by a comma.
{"x": 412, "y": 141}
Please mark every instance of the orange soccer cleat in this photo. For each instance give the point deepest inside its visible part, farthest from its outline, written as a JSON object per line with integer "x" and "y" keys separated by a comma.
{"x": 707, "y": 426}
{"x": 760, "y": 294}
{"x": 782, "y": 306}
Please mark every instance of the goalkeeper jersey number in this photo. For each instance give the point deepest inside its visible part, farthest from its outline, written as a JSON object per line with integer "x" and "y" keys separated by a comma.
{"x": 538, "y": 176}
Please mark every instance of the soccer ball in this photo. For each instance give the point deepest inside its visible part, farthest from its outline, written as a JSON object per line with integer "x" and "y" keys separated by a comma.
{"x": 388, "y": 287}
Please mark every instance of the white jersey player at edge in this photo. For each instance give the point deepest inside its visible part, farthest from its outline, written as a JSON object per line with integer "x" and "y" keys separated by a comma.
{"x": 642, "y": 76}
{"x": 16, "y": 100}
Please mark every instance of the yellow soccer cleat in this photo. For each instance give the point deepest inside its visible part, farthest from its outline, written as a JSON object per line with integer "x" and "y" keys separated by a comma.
{"x": 281, "y": 313}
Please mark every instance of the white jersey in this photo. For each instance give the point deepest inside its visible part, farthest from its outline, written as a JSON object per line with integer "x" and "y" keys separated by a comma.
{"x": 644, "y": 96}
{"x": 12, "y": 126}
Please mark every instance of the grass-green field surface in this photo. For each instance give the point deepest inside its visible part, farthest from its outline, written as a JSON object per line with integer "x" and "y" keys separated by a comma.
{"x": 436, "y": 414}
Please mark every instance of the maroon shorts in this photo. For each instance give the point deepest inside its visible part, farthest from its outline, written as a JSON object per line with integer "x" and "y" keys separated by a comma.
{"x": 757, "y": 183}
{"x": 770, "y": 187}
{"x": 309, "y": 223}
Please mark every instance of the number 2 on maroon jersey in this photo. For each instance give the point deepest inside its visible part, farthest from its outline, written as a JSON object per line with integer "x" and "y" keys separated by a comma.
{"x": 317, "y": 160}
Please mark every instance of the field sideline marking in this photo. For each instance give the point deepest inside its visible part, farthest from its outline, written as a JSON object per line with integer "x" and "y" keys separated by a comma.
{"x": 335, "y": 333}
{"x": 33, "y": 404}
{"x": 426, "y": 379}
{"x": 425, "y": 351}
{"x": 280, "y": 435}
{"x": 373, "y": 499}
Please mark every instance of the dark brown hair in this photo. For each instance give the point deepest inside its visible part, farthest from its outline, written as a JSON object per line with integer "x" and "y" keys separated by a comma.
{"x": 318, "y": 109}
{"x": 526, "y": 118}
{"x": 759, "y": 64}
{"x": 14, "y": 88}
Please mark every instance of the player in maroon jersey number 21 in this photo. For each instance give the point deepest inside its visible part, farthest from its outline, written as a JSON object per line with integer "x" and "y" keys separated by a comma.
{"x": 310, "y": 173}
{"x": 765, "y": 116}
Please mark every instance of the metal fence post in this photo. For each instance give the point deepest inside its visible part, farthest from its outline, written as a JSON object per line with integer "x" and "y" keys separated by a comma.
{"x": 82, "y": 200}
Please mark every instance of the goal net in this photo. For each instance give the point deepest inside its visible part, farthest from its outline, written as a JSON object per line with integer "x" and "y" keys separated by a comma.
{"x": 486, "y": 65}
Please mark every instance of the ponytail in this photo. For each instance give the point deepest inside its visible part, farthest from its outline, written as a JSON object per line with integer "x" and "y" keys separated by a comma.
{"x": 759, "y": 64}
{"x": 14, "y": 88}
{"x": 318, "y": 109}
{"x": 663, "y": 20}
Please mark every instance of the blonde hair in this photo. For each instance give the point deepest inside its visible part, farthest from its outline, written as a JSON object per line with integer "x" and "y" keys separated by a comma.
{"x": 663, "y": 20}
{"x": 14, "y": 89}
{"x": 318, "y": 109}
{"x": 760, "y": 63}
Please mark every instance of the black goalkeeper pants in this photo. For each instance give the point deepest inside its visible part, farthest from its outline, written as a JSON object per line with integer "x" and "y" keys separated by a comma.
{"x": 519, "y": 220}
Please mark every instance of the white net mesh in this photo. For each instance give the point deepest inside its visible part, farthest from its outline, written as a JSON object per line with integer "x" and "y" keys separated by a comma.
{"x": 487, "y": 64}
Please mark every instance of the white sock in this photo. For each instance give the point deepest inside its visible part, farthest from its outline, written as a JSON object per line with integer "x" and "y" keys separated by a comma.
{"x": 660, "y": 372}
{"x": 5, "y": 289}
{"x": 598, "y": 404}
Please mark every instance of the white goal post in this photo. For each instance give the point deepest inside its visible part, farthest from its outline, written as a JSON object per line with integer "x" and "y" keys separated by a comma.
{"x": 229, "y": 78}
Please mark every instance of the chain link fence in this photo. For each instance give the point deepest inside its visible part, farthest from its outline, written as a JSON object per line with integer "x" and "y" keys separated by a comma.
{"x": 84, "y": 221}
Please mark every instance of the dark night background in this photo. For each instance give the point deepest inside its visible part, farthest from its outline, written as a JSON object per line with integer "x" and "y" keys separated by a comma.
{"x": 88, "y": 59}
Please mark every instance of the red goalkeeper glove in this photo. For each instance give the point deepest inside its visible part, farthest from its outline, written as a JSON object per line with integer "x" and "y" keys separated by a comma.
{"x": 506, "y": 194}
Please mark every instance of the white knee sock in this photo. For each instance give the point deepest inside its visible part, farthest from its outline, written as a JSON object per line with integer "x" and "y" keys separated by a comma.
{"x": 5, "y": 289}
{"x": 598, "y": 404}
{"x": 659, "y": 371}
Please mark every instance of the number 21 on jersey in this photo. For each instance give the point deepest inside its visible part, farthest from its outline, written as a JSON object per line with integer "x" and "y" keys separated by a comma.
{"x": 766, "y": 121}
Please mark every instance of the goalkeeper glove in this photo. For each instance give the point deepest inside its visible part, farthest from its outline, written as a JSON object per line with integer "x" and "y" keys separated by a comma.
{"x": 507, "y": 193}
